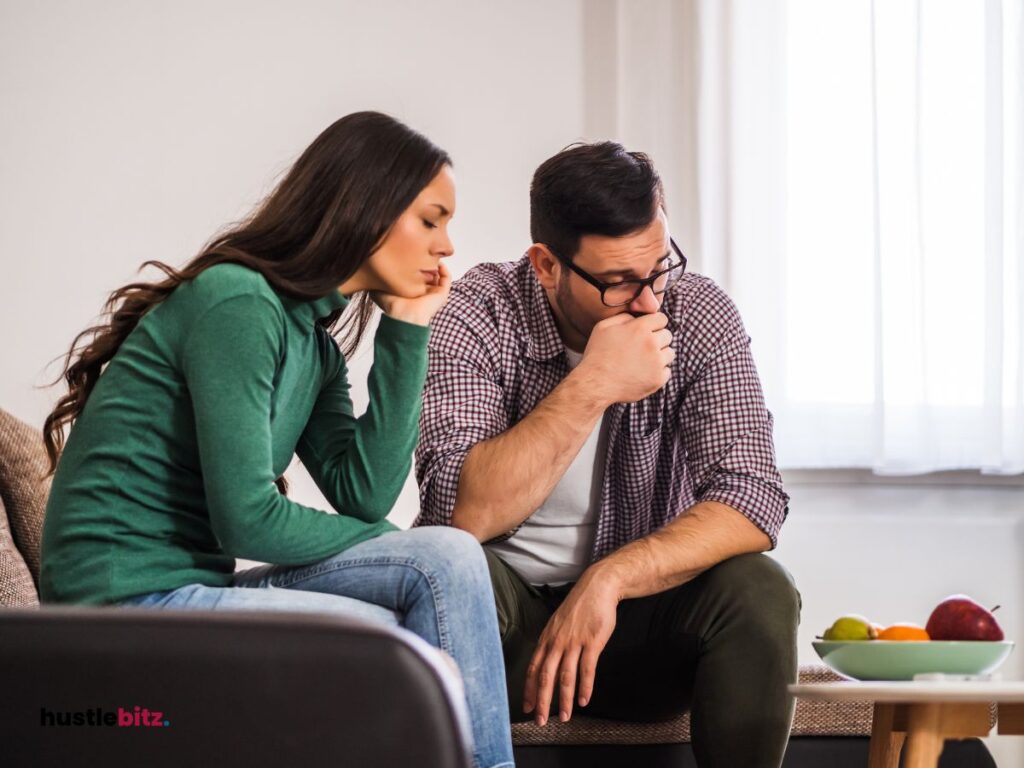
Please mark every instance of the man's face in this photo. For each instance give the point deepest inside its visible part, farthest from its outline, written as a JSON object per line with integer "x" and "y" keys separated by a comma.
{"x": 578, "y": 304}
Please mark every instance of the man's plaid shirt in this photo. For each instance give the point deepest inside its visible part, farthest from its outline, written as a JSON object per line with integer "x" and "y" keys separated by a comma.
{"x": 495, "y": 353}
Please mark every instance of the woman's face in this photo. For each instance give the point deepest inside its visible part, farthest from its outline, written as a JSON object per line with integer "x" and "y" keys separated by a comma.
{"x": 406, "y": 263}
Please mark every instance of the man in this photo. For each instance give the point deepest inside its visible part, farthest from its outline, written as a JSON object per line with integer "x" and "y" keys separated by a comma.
{"x": 592, "y": 413}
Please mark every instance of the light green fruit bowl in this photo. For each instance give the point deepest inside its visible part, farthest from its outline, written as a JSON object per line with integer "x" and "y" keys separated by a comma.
{"x": 902, "y": 659}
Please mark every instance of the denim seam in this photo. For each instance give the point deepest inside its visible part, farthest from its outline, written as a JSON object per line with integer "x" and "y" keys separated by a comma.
{"x": 439, "y": 609}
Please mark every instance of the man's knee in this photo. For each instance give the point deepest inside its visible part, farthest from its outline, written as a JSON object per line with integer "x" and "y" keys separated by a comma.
{"x": 759, "y": 584}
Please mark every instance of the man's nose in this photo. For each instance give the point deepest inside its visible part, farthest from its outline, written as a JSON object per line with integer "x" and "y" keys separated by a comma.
{"x": 646, "y": 303}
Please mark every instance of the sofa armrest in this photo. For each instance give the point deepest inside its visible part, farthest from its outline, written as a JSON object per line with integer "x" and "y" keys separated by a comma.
{"x": 231, "y": 688}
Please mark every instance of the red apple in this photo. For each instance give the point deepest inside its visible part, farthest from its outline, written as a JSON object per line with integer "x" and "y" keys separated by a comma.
{"x": 960, "y": 618}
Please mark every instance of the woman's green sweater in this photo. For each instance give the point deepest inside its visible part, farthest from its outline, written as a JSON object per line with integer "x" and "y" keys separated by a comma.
{"x": 168, "y": 473}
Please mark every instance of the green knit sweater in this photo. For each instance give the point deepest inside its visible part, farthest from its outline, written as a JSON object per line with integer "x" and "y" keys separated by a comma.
{"x": 168, "y": 473}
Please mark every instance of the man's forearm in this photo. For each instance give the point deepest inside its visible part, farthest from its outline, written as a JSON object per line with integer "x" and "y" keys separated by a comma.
{"x": 705, "y": 535}
{"x": 505, "y": 479}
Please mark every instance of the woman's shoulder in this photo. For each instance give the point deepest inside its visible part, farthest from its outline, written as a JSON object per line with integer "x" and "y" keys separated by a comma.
{"x": 229, "y": 279}
{"x": 224, "y": 282}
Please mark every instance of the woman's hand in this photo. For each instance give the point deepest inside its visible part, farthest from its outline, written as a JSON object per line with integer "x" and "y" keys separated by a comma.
{"x": 419, "y": 311}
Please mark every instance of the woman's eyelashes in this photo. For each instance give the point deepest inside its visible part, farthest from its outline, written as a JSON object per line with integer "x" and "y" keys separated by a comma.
{"x": 429, "y": 224}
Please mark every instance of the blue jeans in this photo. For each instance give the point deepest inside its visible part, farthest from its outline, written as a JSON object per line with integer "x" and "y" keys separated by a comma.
{"x": 433, "y": 581}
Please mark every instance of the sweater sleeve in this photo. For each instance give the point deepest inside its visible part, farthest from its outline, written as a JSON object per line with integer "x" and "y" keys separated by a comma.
{"x": 229, "y": 360}
{"x": 360, "y": 464}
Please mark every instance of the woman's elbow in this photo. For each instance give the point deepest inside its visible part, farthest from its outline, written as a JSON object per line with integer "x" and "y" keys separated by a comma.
{"x": 371, "y": 510}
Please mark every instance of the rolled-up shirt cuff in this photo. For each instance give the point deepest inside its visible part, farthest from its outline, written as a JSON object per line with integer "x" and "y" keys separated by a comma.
{"x": 765, "y": 505}
{"x": 441, "y": 488}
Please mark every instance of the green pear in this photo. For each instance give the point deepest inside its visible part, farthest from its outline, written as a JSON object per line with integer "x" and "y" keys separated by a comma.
{"x": 851, "y": 627}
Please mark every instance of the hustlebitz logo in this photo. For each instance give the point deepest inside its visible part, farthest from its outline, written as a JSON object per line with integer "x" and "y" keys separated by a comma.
{"x": 137, "y": 717}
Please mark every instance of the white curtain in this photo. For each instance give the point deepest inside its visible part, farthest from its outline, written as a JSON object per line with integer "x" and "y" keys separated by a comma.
{"x": 853, "y": 173}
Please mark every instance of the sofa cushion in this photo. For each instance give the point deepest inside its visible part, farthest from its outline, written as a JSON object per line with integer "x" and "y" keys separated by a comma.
{"x": 17, "y": 589}
{"x": 23, "y": 487}
{"x": 812, "y": 718}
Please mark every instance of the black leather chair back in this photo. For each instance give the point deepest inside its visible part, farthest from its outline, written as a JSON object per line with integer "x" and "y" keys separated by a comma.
{"x": 123, "y": 686}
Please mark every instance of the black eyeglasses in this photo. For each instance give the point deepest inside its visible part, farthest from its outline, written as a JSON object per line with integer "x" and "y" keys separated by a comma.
{"x": 627, "y": 291}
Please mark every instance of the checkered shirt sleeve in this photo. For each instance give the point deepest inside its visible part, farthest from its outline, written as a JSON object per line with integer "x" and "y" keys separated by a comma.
{"x": 726, "y": 426}
{"x": 462, "y": 403}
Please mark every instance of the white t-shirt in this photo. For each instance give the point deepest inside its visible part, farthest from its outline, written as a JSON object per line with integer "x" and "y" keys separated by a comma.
{"x": 553, "y": 545}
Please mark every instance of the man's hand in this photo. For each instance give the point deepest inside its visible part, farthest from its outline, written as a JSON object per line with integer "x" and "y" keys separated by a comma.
{"x": 572, "y": 641}
{"x": 628, "y": 358}
{"x": 421, "y": 310}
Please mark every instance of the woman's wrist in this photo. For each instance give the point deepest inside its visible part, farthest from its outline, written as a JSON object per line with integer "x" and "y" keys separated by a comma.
{"x": 403, "y": 330}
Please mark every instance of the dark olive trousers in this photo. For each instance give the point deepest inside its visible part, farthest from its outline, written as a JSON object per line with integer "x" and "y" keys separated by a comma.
{"x": 722, "y": 646}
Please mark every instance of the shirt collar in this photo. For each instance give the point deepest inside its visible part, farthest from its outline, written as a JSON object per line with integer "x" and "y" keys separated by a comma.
{"x": 542, "y": 339}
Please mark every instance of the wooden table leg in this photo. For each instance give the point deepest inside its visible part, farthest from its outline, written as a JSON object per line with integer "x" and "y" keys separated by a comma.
{"x": 929, "y": 724}
{"x": 924, "y": 735}
{"x": 886, "y": 742}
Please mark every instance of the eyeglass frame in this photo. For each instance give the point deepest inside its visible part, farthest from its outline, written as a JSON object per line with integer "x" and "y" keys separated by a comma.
{"x": 642, "y": 282}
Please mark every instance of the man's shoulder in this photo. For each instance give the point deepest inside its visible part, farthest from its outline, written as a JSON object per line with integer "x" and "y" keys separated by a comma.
{"x": 706, "y": 317}
{"x": 489, "y": 297}
{"x": 495, "y": 283}
{"x": 698, "y": 301}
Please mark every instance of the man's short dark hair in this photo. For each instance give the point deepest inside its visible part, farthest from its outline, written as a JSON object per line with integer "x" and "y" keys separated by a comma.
{"x": 592, "y": 189}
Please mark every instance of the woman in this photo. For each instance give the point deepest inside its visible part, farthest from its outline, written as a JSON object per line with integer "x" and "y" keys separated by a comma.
{"x": 190, "y": 403}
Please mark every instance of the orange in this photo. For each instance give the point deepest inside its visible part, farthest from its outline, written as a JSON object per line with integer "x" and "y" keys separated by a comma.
{"x": 903, "y": 631}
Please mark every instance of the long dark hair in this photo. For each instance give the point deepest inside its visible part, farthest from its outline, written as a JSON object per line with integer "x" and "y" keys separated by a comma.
{"x": 331, "y": 211}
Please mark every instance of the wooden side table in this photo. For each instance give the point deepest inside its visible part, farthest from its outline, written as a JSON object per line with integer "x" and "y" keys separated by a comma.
{"x": 925, "y": 713}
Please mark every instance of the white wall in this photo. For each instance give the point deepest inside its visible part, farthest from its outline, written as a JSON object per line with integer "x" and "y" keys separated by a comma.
{"x": 134, "y": 130}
